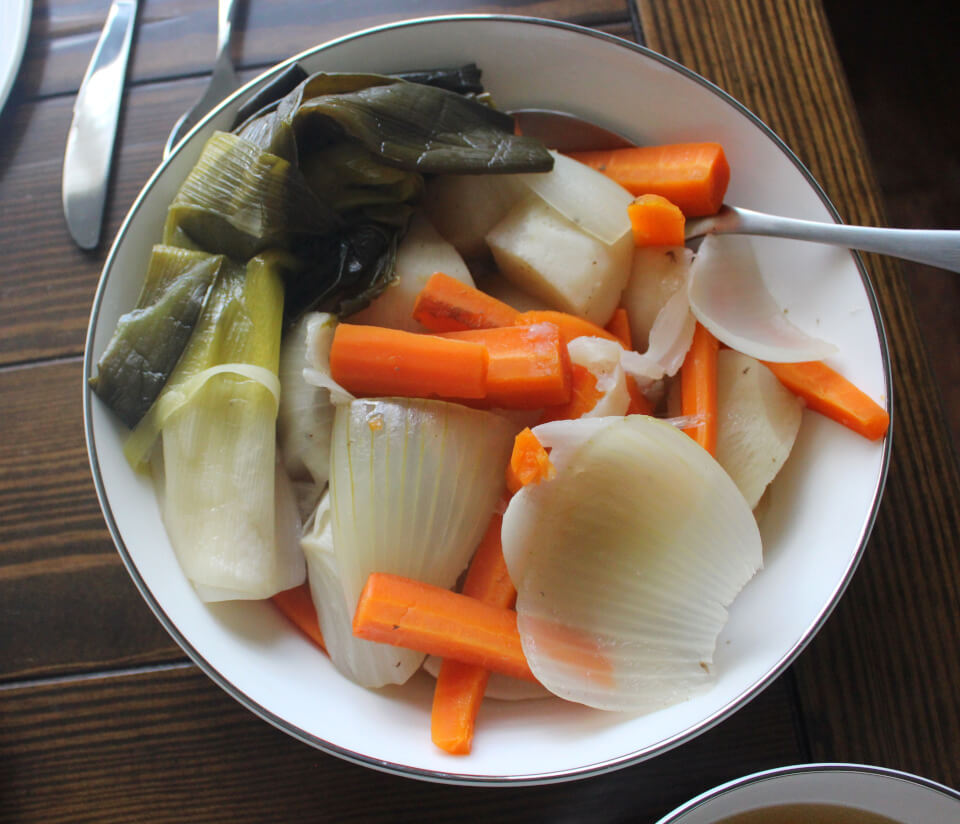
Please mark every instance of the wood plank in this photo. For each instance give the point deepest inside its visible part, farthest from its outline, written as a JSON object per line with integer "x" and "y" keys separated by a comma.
{"x": 175, "y": 38}
{"x": 170, "y": 745}
{"x": 890, "y": 651}
{"x": 61, "y": 580}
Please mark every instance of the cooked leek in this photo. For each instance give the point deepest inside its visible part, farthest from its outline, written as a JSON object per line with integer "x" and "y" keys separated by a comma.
{"x": 148, "y": 341}
{"x": 217, "y": 416}
{"x": 626, "y": 562}
{"x": 413, "y": 484}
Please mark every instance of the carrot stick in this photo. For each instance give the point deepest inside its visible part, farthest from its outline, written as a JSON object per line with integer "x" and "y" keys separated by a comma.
{"x": 529, "y": 462}
{"x": 655, "y": 221}
{"x": 831, "y": 394}
{"x": 571, "y": 326}
{"x": 447, "y": 305}
{"x": 370, "y": 360}
{"x": 619, "y": 327}
{"x": 583, "y": 397}
{"x": 698, "y": 388}
{"x": 460, "y": 687}
{"x": 639, "y": 403}
{"x": 412, "y": 614}
{"x": 528, "y": 365}
{"x": 297, "y": 605}
{"x": 694, "y": 176}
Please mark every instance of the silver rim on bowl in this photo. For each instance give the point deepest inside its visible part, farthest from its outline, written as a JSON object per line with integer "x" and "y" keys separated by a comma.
{"x": 452, "y": 777}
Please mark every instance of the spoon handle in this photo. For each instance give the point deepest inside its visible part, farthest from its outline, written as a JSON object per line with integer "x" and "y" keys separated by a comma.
{"x": 936, "y": 247}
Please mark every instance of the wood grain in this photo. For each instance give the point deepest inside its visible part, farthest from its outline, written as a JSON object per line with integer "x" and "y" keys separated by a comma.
{"x": 67, "y": 602}
{"x": 894, "y": 637}
{"x": 168, "y": 745}
{"x": 177, "y": 38}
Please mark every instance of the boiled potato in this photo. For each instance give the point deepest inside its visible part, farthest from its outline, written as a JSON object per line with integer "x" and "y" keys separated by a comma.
{"x": 551, "y": 258}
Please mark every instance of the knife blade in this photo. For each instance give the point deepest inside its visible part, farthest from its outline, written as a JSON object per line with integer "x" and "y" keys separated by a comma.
{"x": 89, "y": 154}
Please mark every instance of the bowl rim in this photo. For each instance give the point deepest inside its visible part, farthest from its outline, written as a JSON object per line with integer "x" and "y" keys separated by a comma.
{"x": 466, "y": 778}
{"x": 800, "y": 769}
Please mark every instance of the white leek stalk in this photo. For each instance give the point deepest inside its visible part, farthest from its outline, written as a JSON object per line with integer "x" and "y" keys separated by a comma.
{"x": 413, "y": 484}
{"x": 625, "y": 563}
{"x": 217, "y": 416}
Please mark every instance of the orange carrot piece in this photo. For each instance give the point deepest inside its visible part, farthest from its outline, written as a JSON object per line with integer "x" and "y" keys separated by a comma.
{"x": 529, "y": 462}
{"x": 829, "y": 393}
{"x": 447, "y": 305}
{"x": 370, "y": 360}
{"x": 639, "y": 403}
{"x": 460, "y": 687}
{"x": 655, "y": 221}
{"x": 411, "y": 614}
{"x": 698, "y": 388}
{"x": 583, "y": 397}
{"x": 528, "y": 365}
{"x": 297, "y": 606}
{"x": 571, "y": 326}
{"x": 619, "y": 327}
{"x": 694, "y": 176}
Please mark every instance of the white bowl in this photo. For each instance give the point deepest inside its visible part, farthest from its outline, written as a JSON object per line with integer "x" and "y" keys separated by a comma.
{"x": 899, "y": 796}
{"x": 821, "y": 507}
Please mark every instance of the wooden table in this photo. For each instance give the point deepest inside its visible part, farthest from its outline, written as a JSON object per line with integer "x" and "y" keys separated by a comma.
{"x": 103, "y": 718}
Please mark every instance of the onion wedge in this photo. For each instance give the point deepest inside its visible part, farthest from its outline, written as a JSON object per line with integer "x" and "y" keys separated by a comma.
{"x": 728, "y": 296}
{"x": 412, "y": 486}
{"x": 625, "y": 563}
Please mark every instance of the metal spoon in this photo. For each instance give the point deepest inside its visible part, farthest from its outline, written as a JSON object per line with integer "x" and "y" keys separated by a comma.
{"x": 936, "y": 247}
{"x": 223, "y": 81}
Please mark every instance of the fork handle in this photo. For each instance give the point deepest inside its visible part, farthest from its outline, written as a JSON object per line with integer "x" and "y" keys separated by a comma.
{"x": 936, "y": 247}
{"x": 225, "y": 12}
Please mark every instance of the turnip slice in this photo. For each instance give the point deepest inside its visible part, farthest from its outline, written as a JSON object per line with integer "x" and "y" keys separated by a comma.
{"x": 626, "y": 562}
{"x": 728, "y": 296}
{"x": 658, "y": 272}
{"x": 757, "y": 422}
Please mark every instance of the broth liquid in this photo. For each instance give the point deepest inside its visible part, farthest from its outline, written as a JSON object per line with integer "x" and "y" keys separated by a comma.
{"x": 807, "y": 814}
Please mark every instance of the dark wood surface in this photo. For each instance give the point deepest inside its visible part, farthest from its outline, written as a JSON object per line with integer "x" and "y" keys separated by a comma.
{"x": 102, "y": 718}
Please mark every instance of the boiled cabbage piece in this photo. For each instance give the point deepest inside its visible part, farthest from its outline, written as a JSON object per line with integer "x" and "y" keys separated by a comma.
{"x": 626, "y": 562}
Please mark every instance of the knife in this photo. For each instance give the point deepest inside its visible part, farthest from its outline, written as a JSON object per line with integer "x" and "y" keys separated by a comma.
{"x": 89, "y": 153}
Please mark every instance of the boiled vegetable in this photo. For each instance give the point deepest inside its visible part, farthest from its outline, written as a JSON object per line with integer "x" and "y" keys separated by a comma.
{"x": 728, "y": 296}
{"x": 757, "y": 423}
{"x": 460, "y": 687}
{"x": 412, "y": 487}
{"x": 446, "y": 304}
{"x": 370, "y": 360}
{"x": 698, "y": 389}
{"x": 529, "y": 462}
{"x": 829, "y": 393}
{"x": 694, "y": 176}
{"x": 417, "y": 616}
{"x": 628, "y": 559}
{"x": 149, "y": 340}
{"x": 656, "y": 221}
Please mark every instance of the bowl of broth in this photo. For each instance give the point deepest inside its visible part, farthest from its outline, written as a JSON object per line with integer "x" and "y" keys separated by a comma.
{"x": 823, "y": 794}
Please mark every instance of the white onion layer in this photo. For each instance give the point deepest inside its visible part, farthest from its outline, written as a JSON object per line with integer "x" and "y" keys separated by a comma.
{"x": 601, "y": 358}
{"x": 413, "y": 484}
{"x": 757, "y": 422}
{"x": 626, "y": 562}
{"x": 728, "y": 296}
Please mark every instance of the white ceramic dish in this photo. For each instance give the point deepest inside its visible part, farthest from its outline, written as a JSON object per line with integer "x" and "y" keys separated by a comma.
{"x": 14, "y": 27}
{"x": 901, "y": 797}
{"x": 821, "y": 507}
